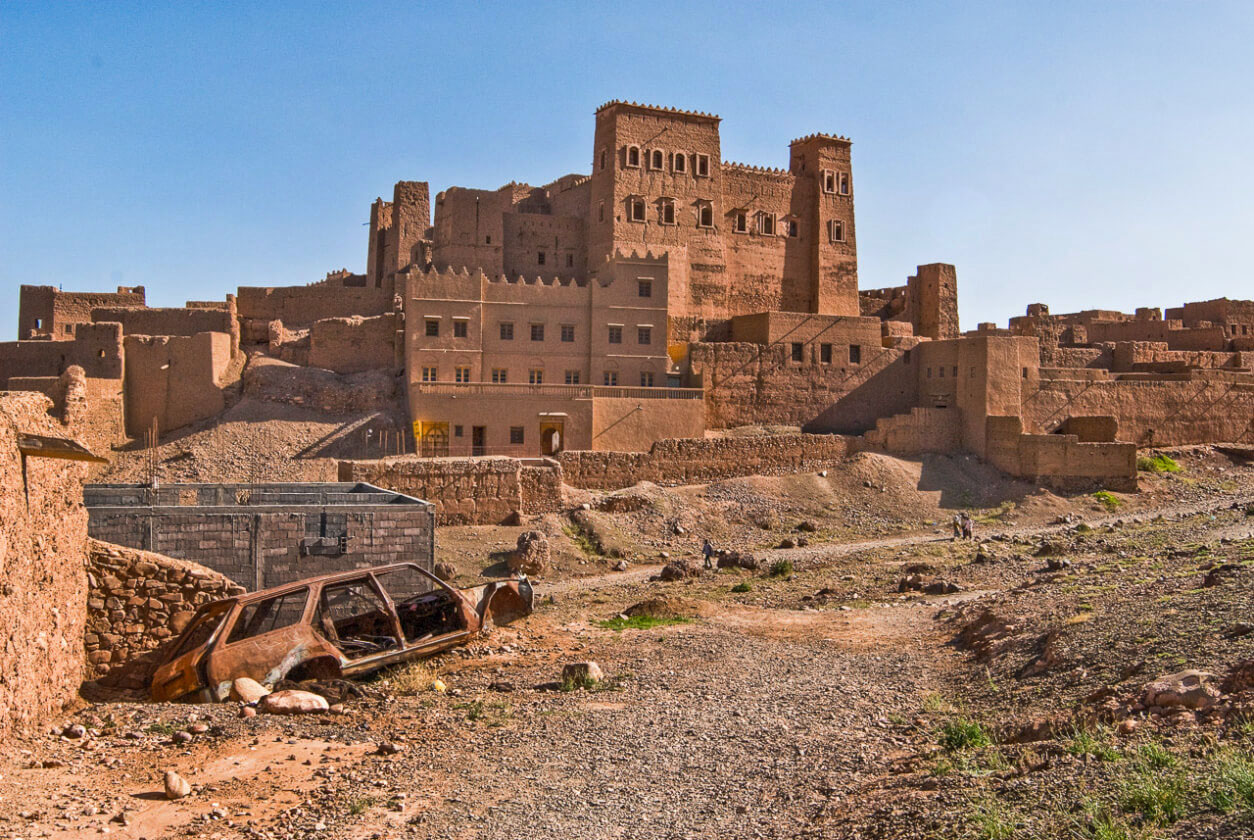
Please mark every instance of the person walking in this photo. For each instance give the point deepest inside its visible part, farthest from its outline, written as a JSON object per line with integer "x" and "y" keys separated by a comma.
{"x": 707, "y": 550}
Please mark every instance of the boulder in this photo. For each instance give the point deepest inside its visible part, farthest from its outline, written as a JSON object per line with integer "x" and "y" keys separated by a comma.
{"x": 736, "y": 560}
{"x": 531, "y": 557}
{"x": 293, "y": 701}
{"x": 582, "y": 672}
{"x": 1185, "y": 689}
{"x": 247, "y": 690}
{"x": 176, "y": 787}
{"x": 444, "y": 571}
{"x": 678, "y": 570}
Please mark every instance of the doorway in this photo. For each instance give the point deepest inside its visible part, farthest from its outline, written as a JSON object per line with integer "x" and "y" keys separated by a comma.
{"x": 552, "y": 437}
{"x": 477, "y": 436}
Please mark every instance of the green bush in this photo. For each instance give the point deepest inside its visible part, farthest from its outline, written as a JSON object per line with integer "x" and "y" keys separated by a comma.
{"x": 1159, "y": 463}
{"x": 963, "y": 733}
{"x": 781, "y": 568}
{"x": 1107, "y": 500}
{"x": 743, "y": 586}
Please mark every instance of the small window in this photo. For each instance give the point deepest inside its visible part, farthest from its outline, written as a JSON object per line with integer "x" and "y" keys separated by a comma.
{"x": 829, "y": 181}
{"x": 616, "y": 335}
{"x": 610, "y": 377}
{"x": 798, "y": 351}
{"x": 568, "y": 333}
{"x": 1025, "y": 373}
{"x": 633, "y": 156}
{"x": 855, "y": 356}
{"x": 540, "y": 258}
{"x": 766, "y": 224}
{"x": 635, "y": 209}
{"x": 507, "y": 331}
{"x": 460, "y": 328}
{"x": 794, "y": 230}
{"x": 429, "y": 374}
{"x": 940, "y": 371}
{"x": 835, "y": 230}
{"x": 457, "y": 431}
{"x": 644, "y": 335}
{"x": 535, "y": 376}
{"x": 271, "y": 614}
{"x": 740, "y": 222}
{"x": 100, "y": 354}
{"x": 487, "y": 240}
{"x": 515, "y": 434}
{"x": 601, "y": 212}
{"x": 705, "y": 215}
{"x": 644, "y": 288}
{"x": 666, "y": 212}
{"x": 570, "y": 260}
{"x": 929, "y": 373}
{"x": 680, "y": 164}
{"x": 703, "y": 166}
{"x": 844, "y": 183}
{"x": 433, "y": 328}
{"x": 955, "y": 371}
{"x": 68, "y": 329}
{"x": 825, "y": 354}
{"x": 461, "y": 374}
{"x": 537, "y": 332}
{"x": 500, "y": 376}
{"x": 572, "y": 377}
{"x": 646, "y": 379}
{"x": 656, "y": 159}
{"x": 39, "y": 322}
{"x": 603, "y": 157}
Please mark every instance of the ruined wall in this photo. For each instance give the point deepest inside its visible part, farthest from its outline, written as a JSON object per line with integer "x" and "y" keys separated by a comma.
{"x": 466, "y": 491}
{"x": 699, "y": 460}
{"x": 1060, "y": 461}
{"x": 351, "y": 345}
{"x": 173, "y": 321}
{"x": 1153, "y": 410}
{"x": 43, "y": 583}
{"x": 316, "y": 388}
{"x": 97, "y": 349}
{"x": 749, "y": 384}
{"x": 300, "y": 306}
{"x": 137, "y": 602}
{"x": 48, "y": 311}
{"x": 923, "y": 429}
{"x": 174, "y": 379}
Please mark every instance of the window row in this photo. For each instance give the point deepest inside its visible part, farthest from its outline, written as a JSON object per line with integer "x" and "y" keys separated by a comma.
{"x": 659, "y": 160}
{"x": 836, "y": 183}
{"x": 542, "y": 258}
{"x": 767, "y": 224}
{"x": 797, "y": 353}
{"x": 535, "y": 376}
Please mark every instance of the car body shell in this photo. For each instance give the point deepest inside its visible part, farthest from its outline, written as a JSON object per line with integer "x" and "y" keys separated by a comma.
{"x": 205, "y": 660}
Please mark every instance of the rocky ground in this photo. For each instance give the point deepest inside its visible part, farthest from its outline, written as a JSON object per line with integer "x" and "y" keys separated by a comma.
{"x": 880, "y": 681}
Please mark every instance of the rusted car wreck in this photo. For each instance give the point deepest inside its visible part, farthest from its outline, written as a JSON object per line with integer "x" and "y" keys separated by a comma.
{"x": 339, "y": 625}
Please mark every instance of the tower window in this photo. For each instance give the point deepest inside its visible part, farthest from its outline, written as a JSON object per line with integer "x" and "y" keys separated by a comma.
{"x": 540, "y": 258}
{"x": 601, "y": 212}
{"x": 570, "y": 260}
{"x": 844, "y": 183}
{"x": 705, "y": 215}
{"x": 855, "y": 355}
{"x": 656, "y": 159}
{"x": 835, "y": 230}
{"x": 680, "y": 163}
{"x": 740, "y": 222}
{"x": 666, "y": 212}
{"x": 644, "y": 288}
{"x": 766, "y": 224}
{"x": 793, "y": 229}
{"x": 798, "y": 351}
{"x": 603, "y": 156}
{"x": 829, "y": 181}
{"x": 825, "y": 354}
{"x": 635, "y": 209}
{"x": 633, "y": 156}
{"x": 703, "y": 166}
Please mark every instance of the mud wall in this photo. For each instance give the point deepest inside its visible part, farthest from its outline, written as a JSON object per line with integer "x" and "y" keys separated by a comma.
{"x": 698, "y": 460}
{"x": 174, "y": 379}
{"x": 466, "y": 491}
{"x": 43, "y": 583}
{"x": 350, "y": 345}
{"x": 302, "y": 305}
{"x": 323, "y": 390}
{"x": 1059, "y": 461}
{"x": 136, "y": 603}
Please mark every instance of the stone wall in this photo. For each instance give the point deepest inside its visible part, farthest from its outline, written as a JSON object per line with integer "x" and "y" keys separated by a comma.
{"x": 323, "y": 390}
{"x": 43, "y": 583}
{"x": 350, "y": 345}
{"x": 700, "y": 460}
{"x": 466, "y": 491}
{"x": 137, "y": 603}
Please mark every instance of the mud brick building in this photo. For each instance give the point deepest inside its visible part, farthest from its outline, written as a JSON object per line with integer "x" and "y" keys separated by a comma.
{"x": 262, "y": 535}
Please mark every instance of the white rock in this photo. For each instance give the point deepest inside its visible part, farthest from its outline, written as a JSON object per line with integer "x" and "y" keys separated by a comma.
{"x": 247, "y": 690}
{"x": 293, "y": 702}
{"x": 176, "y": 787}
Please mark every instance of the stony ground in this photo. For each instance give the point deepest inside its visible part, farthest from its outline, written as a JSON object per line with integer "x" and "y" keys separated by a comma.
{"x": 810, "y": 700}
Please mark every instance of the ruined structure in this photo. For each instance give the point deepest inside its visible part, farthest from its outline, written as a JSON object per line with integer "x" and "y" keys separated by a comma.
{"x": 262, "y": 535}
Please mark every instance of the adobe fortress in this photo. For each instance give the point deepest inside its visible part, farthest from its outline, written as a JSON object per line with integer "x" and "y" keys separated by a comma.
{"x": 665, "y": 294}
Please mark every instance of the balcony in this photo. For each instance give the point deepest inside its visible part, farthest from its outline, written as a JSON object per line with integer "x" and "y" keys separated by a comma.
{"x": 566, "y": 392}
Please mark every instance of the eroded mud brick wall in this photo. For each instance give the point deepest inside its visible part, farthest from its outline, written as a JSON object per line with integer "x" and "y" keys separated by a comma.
{"x": 466, "y": 491}
{"x": 263, "y": 545}
{"x": 43, "y": 582}
{"x": 351, "y": 345}
{"x": 136, "y": 604}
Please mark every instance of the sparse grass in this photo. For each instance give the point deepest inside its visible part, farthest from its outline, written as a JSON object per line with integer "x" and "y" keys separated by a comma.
{"x": 360, "y": 805}
{"x": 1098, "y": 823}
{"x": 577, "y": 683}
{"x": 781, "y": 568}
{"x": 162, "y": 728}
{"x": 963, "y": 733}
{"x": 1230, "y": 784}
{"x": 1082, "y": 741}
{"x": 640, "y": 622}
{"x": 939, "y": 704}
{"x": 1158, "y": 463}
{"x": 411, "y": 678}
{"x": 1155, "y": 756}
{"x": 584, "y": 541}
{"x": 743, "y": 586}
{"x": 1107, "y": 500}
{"x": 992, "y": 821}
{"x": 1159, "y": 798}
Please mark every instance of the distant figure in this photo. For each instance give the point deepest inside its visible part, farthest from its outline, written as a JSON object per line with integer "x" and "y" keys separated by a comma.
{"x": 957, "y": 523}
{"x": 707, "y": 551}
{"x": 968, "y": 526}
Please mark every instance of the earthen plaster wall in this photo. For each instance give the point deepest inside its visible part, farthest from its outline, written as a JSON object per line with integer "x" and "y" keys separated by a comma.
{"x": 174, "y": 379}
{"x": 350, "y": 345}
{"x": 300, "y": 306}
{"x": 43, "y": 541}
{"x": 173, "y": 321}
{"x": 48, "y": 311}
{"x": 96, "y": 348}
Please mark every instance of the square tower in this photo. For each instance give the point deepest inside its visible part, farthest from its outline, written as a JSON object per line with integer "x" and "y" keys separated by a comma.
{"x": 822, "y": 165}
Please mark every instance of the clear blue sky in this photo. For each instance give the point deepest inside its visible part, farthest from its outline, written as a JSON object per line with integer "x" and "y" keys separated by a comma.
{"x": 1080, "y": 154}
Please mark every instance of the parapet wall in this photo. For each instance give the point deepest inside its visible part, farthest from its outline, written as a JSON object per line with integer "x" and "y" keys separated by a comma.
{"x": 137, "y": 602}
{"x": 700, "y": 460}
{"x": 43, "y": 540}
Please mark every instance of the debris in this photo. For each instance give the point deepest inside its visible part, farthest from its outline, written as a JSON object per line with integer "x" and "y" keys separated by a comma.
{"x": 176, "y": 787}
{"x": 531, "y": 557}
{"x": 388, "y": 748}
{"x": 1186, "y": 689}
{"x": 678, "y": 570}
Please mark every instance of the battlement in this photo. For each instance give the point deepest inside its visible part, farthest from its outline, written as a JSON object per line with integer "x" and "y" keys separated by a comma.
{"x": 757, "y": 170}
{"x": 833, "y": 138}
{"x": 658, "y": 109}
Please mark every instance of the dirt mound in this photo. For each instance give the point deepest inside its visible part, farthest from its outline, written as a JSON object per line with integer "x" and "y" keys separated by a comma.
{"x": 666, "y": 608}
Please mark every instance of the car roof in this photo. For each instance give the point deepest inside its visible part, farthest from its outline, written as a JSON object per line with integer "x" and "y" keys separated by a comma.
{"x": 333, "y": 577}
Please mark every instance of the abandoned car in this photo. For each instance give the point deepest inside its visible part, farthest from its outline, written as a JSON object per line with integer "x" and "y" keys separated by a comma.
{"x": 338, "y": 625}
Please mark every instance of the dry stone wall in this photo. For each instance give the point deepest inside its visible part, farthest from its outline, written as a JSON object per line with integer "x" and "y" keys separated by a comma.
{"x": 43, "y": 582}
{"x": 137, "y": 603}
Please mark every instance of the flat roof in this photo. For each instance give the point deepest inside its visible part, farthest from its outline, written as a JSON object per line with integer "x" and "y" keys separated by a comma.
{"x": 285, "y": 495}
